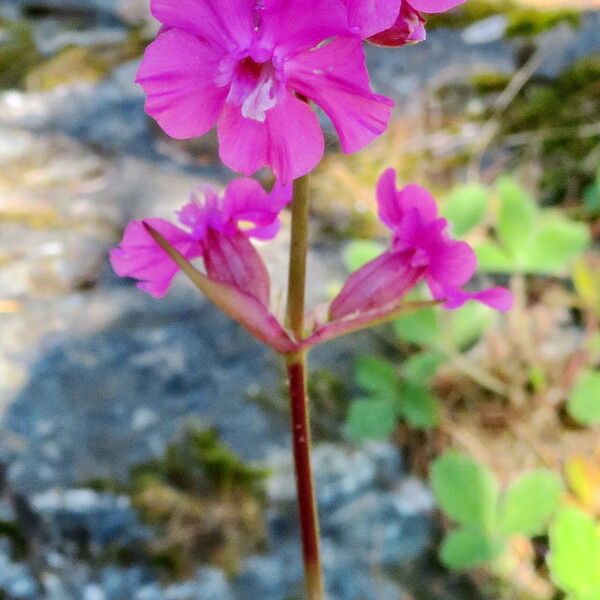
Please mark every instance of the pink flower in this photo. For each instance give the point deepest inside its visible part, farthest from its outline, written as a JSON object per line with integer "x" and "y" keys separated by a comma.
{"x": 393, "y": 22}
{"x": 409, "y": 28}
{"x": 218, "y": 230}
{"x": 247, "y": 66}
{"x": 420, "y": 250}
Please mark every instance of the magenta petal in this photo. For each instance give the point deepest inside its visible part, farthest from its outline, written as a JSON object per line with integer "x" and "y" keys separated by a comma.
{"x": 453, "y": 264}
{"x": 233, "y": 260}
{"x": 382, "y": 281}
{"x": 223, "y": 22}
{"x": 372, "y": 16}
{"x": 139, "y": 256}
{"x": 394, "y": 205}
{"x": 498, "y": 298}
{"x": 290, "y": 26}
{"x": 335, "y": 77}
{"x": 290, "y": 141}
{"x": 177, "y": 74}
{"x": 252, "y": 314}
{"x": 409, "y": 28}
{"x": 434, "y": 6}
{"x": 247, "y": 202}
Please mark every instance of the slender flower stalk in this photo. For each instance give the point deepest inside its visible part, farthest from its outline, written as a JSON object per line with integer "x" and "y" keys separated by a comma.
{"x": 299, "y": 407}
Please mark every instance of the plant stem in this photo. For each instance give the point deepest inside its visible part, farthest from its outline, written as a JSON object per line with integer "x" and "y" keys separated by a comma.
{"x": 297, "y": 374}
{"x": 309, "y": 520}
{"x": 298, "y": 256}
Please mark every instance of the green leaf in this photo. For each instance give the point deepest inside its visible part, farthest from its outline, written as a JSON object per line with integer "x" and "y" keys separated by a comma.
{"x": 360, "y": 252}
{"x": 465, "y": 549}
{"x": 371, "y": 420}
{"x": 465, "y": 207}
{"x": 584, "y": 400}
{"x": 465, "y": 490}
{"x": 418, "y": 405}
{"x": 557, "y": 243}
{"x": 530, "y": 502}
{"x": 421, "y": 328}
{"x": 421, "y": 368}
{"x": 591, "y": 197}
{"x": 469, "y": 322}
{"x": 516, "y": 220}
{"x": 574, "y": 558}
{"x": 378, "y": 377}
{"x": 493, "y": 259}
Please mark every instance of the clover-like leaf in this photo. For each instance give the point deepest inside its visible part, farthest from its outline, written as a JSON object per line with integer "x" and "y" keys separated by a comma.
{"x": 529, "y": 503}
{"x": 493, "y": 259}
{"x": 418, "y": 406}
{"x": 584, "y": 400}
{"x": 421, "y": 368}
{"x": 465, "y": 207}
{"x": 377, "y": 377}
{"x": 467, "y": 548}
{"x": 516, "y": 221}
{"x": 468, "y": 323}
{"x": 421, "y": 328}
{"x": 557, "y": 242}
{"x": 371, "y": 420}
{"x": 466, "y": 491}
{"x": 574, "y": 557}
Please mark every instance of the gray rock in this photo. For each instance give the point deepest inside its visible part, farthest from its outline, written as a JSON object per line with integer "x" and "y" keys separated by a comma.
{"x": 378, "y": 526}
{"x": 83, "y": 515}
{"x": 16, "y": 580}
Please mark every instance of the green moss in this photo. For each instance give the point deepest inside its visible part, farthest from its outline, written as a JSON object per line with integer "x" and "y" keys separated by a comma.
{"x": 530, "y": 21}
{"x": 522, "y": 20}
{"x": 200, "y": 460}
{"x": 490, "y": 82}
{"x": 15, "y": 534}
{"x": 204, "y": 503}
{"x": 557, "y": 109}
{"x": 76, "y": 64}
{"x": 18, "y": 53}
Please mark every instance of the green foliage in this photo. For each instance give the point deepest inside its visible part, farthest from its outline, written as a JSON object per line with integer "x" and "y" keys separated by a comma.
{"x": 465, "y": 549}
{"x": 574, "y": 557}
{"x": 389, "y": 397}
{"x": 468, "y": 493}
{"x": 371, "y": 419}
{"x": 200, "y": 460}
{"x": 465, "y": 490}
{"x": 521, "y": 20}
{"x": 360, "y": 252}
{"x": 591, "y": 195}
{"x": 18, "y": 53}
{"x": 557, "y": 109}
{"x": 421, "y": 368}
{"x": 529, "y": 503}
{"x": 466, "y": 207}
{"x": 530, "y": 240}
{"x": 418, "y": 406}
{"x": 425, "y": 327}
{"x": 203, "y": 502}
{"x": 584, "y": 400}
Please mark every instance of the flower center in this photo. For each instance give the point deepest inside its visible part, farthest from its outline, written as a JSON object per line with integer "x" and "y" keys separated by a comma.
{"x": 254, "y": 86}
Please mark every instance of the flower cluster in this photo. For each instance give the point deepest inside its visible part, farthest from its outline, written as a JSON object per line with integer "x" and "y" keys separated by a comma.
{"x": 218, "y": 230}
{"x": 254, "y": 69}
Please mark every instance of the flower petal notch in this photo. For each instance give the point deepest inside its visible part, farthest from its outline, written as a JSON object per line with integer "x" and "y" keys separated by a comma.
{"x": 218, "y": 230}
{"x": 247, "y": 68}
{"x": 420, "y": 250}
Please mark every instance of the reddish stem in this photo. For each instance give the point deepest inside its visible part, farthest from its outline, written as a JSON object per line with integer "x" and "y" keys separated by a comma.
{"x": 309, "y": 521}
